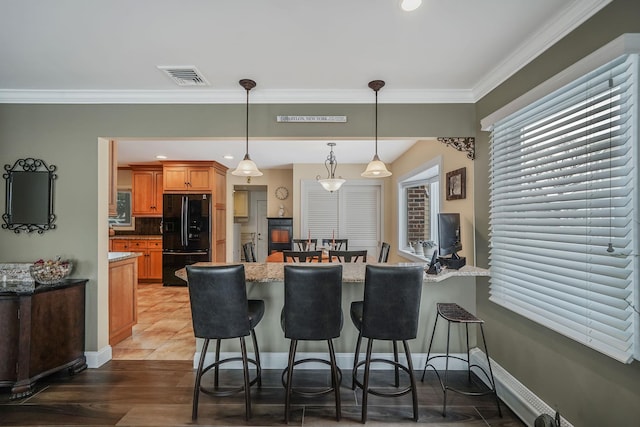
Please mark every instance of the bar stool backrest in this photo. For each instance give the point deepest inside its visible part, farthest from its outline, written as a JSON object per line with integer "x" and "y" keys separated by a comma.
{"x": 218, "y": 296}
{"x": 312, "y": 302}
{"x": 384, "y": 252}
{"x": 305, "y": 244}
{"x": 302, "y": 256}
{"x": 391, "y": 302}
{"x": 249, "y": 252}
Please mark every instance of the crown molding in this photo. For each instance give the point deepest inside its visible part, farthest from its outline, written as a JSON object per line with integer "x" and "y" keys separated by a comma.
{"x": 267, "y": 96}
{"x": 539, "y": 42}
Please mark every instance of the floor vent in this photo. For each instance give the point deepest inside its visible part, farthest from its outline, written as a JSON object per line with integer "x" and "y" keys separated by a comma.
{"x": 186, "y": 75}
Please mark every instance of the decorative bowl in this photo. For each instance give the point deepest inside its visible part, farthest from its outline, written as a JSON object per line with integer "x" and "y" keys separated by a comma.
{"x": 50, "y": 272}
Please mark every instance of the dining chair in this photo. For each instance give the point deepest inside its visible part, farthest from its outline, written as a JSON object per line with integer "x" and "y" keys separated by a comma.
{"x": 305, "y": 244}
{"x": 336, "y": 244}
{"x": 249, "y": 252}
{"x": 383, "y": 256}
{"x": 302, "y": 256}
{"x": 348, "y": 256}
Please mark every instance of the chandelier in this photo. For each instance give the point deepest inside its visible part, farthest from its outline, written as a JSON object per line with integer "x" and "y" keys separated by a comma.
{"x": 331, "y": 183}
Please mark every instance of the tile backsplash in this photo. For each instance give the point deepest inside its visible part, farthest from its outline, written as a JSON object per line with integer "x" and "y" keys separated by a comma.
{"x": 144, "y": 225}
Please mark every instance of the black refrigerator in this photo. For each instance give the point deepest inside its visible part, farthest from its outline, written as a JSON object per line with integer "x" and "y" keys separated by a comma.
{"x": 186, "y": 233}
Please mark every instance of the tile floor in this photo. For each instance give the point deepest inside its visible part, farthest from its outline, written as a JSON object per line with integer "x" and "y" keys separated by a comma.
{"x": 164, "y": 330}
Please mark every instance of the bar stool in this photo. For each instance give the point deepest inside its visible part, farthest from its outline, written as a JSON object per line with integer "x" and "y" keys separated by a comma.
{"x": 220, "y": 310}
{"x": 390, "y": 312}
{"x": 453, "y": 313}
{"x": 312, "y": 312}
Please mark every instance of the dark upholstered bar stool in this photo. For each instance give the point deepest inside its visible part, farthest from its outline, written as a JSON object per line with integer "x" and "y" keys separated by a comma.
{"x": 220, "y": 310}
{"x": 390, "y": 312}
{"x": 453, "y": 313}
{"x": 312, "y": 312}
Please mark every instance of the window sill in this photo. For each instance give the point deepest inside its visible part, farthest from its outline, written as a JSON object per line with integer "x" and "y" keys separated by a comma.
{"x": 414, "y": 257}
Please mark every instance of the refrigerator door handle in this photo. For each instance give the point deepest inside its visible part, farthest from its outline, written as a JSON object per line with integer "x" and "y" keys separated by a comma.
{"x": 183, "y": 222}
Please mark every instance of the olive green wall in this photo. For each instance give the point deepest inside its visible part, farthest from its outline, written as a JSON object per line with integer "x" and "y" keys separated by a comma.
{"x": 588, "y": 388}
{"x": 67, "y": 136}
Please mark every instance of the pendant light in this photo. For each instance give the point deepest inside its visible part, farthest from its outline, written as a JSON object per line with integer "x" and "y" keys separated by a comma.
{"x": 410, "y": 5}
{"x": 247, "y": 167}
{"x": 376, "y": 168}
{"x": 331, "y": 183}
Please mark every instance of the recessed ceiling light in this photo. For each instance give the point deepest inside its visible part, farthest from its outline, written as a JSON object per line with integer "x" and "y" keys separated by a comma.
{"x": 160, "y": 156}
{"x": 410, "y": 5}
{"x": 228, "y": 157}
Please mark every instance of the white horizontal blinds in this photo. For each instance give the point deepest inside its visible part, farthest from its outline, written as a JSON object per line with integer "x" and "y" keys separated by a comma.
{"x": 562, "y": 176}
{"x": 321, "y": 212}
{"x": 360, "y": 222}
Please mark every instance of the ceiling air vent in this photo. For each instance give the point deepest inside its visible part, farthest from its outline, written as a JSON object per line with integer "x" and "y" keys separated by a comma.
{"x": 186, "y": 75}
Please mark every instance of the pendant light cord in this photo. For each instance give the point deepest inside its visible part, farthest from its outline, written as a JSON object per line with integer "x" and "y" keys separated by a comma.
{"x": 247, "y": 126}
{"x": 376, "y": 123}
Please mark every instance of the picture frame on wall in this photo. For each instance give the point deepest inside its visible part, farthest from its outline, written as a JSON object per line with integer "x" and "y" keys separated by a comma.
{"x": 457, "y": 184}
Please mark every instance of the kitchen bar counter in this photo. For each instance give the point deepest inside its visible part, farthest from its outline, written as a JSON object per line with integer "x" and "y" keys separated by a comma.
{"x": 265, "y": 281}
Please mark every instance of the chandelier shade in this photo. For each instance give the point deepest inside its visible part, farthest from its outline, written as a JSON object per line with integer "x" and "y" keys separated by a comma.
{"x": 247, "y": 167}
{"x": 376, "y": 168}
{"x": 331, "y": 183}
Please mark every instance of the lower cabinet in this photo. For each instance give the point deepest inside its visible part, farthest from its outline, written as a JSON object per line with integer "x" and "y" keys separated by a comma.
{"x": 123, "y": 297}
{"x": 42, "y": 333}
{"x": 150, "y": 263}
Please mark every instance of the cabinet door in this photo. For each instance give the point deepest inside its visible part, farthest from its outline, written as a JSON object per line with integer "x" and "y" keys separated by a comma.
{"x": 143, "y": 192}
{"x": 158, "y": 190}
{"x": 122, "y": 299}
{"x": 154, "y": 259}
{"x": 175, "y": 178}
{"x": 199, "y": 179}
{"x": 241, "y": 203}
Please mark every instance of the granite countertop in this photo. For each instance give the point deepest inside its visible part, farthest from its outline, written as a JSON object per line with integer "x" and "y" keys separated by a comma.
{"x": 119, "y": 256}
{"x": 137, "y": 236}
{"x": 266, "y": 272}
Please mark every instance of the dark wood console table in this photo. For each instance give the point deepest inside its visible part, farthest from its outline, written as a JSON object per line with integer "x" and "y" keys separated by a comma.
{"x": 41, "y": 332}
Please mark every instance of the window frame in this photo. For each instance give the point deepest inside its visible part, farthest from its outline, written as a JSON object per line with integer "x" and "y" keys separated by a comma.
{"x": 429, "y": 172}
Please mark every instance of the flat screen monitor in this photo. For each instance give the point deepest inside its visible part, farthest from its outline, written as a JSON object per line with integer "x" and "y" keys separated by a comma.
{"x": 449, "y": 234}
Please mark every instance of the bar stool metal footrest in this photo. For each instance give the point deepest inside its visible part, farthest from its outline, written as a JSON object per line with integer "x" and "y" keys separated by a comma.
{"x": 453, "y": 313}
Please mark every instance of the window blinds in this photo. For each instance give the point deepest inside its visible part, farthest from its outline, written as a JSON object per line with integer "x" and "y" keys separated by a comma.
{"x": 562, "y": 177}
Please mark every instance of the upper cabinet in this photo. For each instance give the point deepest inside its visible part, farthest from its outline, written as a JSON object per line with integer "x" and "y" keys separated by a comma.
{"x": 191, "y": 177}
{"x": 146, "y": 190}
{"x": 241, "y": 203}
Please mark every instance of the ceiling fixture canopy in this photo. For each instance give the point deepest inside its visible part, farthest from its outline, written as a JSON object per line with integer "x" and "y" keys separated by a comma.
{"x": 410, "y": 5}
{"x": 376, "y": 168}
{"x": 331, "y": 183}
{"x": 247, "y": 167}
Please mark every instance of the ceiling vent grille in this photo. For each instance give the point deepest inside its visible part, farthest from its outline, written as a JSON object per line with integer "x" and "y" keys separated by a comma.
{"x": 186, "y": 75}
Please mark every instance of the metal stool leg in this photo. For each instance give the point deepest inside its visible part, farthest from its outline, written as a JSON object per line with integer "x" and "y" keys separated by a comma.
{"x": 196, "y": 388}
{"x": 433, "y": 334}
{"x": 287, "y": 400}
{"x": 216, "y": 369}
{"x": 247, "y": 386}
{"x": 365, "y": 388}
{"x": 395, "y": 359}
{"x": 446, "y": 372}
{"x": 355, "y": 361}
{"x": 414, "y": 393}
{"x": 335, "y": 383}
{"x": 257, "y": 351}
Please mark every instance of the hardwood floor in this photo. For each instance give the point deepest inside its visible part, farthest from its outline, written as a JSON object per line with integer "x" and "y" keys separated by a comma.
{"x": 150, "y": 380}
{"x": 159, "y": 393}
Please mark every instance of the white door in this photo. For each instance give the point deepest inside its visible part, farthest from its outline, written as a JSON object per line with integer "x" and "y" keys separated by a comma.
{"x": 261, "y": 232}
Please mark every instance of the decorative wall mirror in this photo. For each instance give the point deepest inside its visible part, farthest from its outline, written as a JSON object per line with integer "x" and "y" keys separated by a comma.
{"x": 29, "y": 196}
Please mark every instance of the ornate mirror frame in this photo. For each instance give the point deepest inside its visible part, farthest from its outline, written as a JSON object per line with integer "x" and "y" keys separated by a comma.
{"x": 29, "y": 196}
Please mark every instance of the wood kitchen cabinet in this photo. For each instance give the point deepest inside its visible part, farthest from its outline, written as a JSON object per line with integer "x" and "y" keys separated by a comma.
{"x": 146, "y": 191}
{"x": 219, "y": 236}
{"x": 241, "y": 203}
{"x": 191, "y": 177}
{"x": 150, "y": 262}
{"x": 123, "y": 298}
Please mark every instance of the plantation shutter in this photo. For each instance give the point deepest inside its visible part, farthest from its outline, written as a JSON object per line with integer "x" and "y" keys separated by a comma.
{"x": 562, "y": 177}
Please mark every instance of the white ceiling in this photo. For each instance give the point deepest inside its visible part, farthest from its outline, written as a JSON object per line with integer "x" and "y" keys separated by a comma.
{"x": 97, "y": 51}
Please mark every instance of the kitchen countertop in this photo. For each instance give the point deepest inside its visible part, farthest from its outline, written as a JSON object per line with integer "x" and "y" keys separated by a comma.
{"x": 120, "y": 256}
{"x": 137, "y": 236}
{"x": 265, "y": 272}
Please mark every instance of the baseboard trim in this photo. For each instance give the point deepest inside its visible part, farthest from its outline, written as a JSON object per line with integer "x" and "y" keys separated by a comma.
{"x": 343, "y": 360}
{"x": 95, "y": 359}
{"x": 522, "y": 401}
